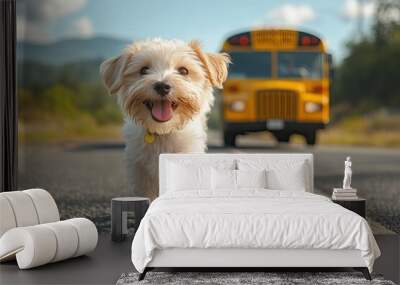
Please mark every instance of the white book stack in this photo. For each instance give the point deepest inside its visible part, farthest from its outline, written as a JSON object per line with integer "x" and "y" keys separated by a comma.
{"x": 344, "y": 194}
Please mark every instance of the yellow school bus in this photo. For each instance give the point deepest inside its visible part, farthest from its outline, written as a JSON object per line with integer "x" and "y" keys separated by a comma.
{"x": 279, "y": 81}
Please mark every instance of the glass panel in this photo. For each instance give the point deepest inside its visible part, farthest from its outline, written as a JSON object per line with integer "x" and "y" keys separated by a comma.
{"x": 70, "y": 140}
{"x": 300, "y": 65}
{"x": 250, "y": 64}
{"x": 70, "y": 129}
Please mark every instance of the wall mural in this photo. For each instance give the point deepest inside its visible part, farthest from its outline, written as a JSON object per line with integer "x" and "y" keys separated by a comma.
{"x": 103, "y": 89}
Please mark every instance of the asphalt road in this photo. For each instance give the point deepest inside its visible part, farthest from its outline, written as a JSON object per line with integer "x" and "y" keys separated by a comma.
{"x": 84, "y": 177}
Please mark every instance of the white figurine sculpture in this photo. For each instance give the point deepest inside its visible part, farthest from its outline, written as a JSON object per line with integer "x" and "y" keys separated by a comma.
{"x": 347, "y": 192}
{"x": 347, "y": 173}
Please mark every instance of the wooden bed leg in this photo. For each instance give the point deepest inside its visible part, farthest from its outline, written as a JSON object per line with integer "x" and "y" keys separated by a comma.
{"x": 143, "y": 274}
{"x": 364, "y": 271}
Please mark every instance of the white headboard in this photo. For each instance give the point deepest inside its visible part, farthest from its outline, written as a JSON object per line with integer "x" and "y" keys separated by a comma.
{"x": 210, "y": 158}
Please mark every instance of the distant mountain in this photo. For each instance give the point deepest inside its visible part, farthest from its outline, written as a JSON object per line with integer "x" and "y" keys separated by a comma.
{"x": 70, "y": 50}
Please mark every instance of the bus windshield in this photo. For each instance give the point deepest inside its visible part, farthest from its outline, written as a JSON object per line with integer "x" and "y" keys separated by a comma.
{"x": 250, "y": 64}
{"x": 300, "y": 65}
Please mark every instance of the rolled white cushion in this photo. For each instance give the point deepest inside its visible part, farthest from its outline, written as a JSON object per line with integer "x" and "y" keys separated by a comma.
{"x": 7, "y": 218}
{"x": 67, "y": 240}
{"x": 33, "y": 246}
{"x": 26, "y": 208}
{"x": 45, "y": 205}
{"x": 23, "y": 208}
{"x": 41, "y": 244}
{"x": 87, "y": 233}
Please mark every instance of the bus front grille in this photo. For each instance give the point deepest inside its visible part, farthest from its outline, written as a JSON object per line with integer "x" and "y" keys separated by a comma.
{"x": 276, "y": 104}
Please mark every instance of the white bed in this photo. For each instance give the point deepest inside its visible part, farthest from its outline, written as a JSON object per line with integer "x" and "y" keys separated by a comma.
{"x": 197, "y": 224}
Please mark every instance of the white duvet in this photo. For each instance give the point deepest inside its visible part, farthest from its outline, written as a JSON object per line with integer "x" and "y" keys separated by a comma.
{"x": 250, "y": 219}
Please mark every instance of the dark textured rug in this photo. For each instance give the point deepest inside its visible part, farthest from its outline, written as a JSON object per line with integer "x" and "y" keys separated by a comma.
{"x": 231, "y": 278}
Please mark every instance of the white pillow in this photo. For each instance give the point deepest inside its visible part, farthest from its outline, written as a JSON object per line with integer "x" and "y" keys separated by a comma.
{"x": 217, "y": 163}
{"x": 282, "y": 174}
{"x": 295, "y": 180}
{"x": 183, "y": 178}
{"x": 251, "y": 178}
{"x": 223, "y": 179}
{"x": 228, "y": 179}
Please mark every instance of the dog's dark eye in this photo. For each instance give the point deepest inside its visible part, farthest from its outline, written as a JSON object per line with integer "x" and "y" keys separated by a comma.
{"x": 144, "y": 70}
{"x": 183, "y": 70}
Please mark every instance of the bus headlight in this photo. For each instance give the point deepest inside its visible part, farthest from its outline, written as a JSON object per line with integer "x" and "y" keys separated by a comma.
{"x": 237, "y": 106}
{"x": 312, "y": 107}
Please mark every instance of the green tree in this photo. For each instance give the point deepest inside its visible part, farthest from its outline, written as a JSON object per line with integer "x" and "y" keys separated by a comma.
{"x": 58, "y": 100}
{"x": 368, "y": 77}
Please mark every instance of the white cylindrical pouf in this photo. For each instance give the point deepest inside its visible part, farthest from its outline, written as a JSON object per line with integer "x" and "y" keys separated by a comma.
{"x": 67, "y": 240}
{"x": 40, "y": 244}
{"x": 45, "y": 205}
{"x": 87, "y": 234}
{"x": 23, "y": 208}
{"x": 7, "y": 218}
{"x": 33, "y": 246}
{"x": 31, "y": 232}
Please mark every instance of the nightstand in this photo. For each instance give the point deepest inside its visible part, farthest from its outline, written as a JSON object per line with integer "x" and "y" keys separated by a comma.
{"x": 357, "y": 205}
{"x": 119, "y": 214}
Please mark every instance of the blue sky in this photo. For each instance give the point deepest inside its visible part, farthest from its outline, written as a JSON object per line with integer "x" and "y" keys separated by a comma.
{"x": 207, "y": 20}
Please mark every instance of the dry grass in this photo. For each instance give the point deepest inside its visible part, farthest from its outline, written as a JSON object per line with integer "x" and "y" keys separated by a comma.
{"x": 378, "y": 129}
{"x": 55, "y": 133}
{"x": 369, "y": 131}
{"x": 337, "y": 136}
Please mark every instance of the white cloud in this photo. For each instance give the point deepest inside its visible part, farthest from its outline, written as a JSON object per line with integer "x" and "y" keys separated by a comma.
{"x": 27, "y": 31}
{"x": 47, "y": 10}
{"x": 355, "y": 8}
{"x": 290, "y": 14}
{"x": 390, "y": 15}
{"x": 36, "y": 18}
{"x": 82, "y": 27}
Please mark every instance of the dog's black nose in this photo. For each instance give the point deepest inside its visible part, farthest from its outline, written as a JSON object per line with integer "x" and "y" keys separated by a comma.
{"x": 162, "y": 88}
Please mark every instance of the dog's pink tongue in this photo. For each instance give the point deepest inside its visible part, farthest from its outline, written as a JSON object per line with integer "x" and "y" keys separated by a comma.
{"x": 162, "y": 110}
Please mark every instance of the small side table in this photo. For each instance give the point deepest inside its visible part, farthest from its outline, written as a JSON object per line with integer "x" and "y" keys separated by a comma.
{"x": 119, "y": 214}
{"x": 357, "y": 205}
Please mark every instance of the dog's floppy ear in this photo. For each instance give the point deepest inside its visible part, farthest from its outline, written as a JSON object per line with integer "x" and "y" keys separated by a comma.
{"x": 112, "y": 72}
{"x": 216, "y": 64}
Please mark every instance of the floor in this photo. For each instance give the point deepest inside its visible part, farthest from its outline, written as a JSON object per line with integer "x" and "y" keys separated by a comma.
{"x": 103, "y": 266}
{"x": 110, "y": 260}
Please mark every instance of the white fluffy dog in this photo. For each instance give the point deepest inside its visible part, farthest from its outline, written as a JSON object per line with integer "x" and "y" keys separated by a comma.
{"x": 165, "y": 89}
